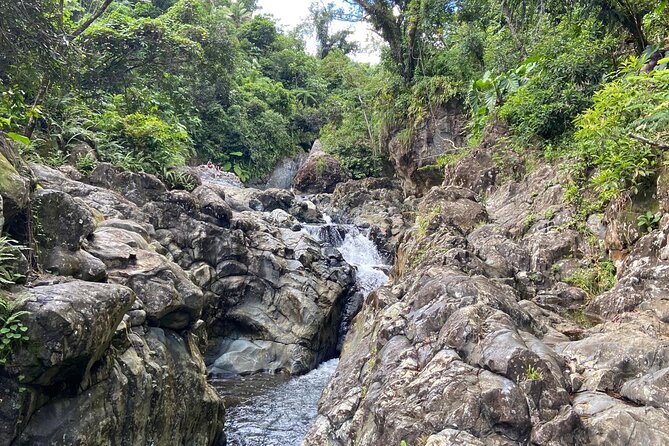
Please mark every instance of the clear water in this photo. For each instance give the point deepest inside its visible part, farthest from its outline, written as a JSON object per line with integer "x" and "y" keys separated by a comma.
{"x": 275, "y": 412}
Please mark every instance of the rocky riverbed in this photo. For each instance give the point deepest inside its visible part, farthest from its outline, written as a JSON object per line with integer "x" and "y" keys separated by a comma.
{"x": 143, "y": 292}
{"x": 146, "y": 297}
{"x": 478, "y": 340}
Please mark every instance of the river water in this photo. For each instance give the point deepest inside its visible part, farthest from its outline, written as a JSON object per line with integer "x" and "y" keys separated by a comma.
{"x": 276, "y": 410}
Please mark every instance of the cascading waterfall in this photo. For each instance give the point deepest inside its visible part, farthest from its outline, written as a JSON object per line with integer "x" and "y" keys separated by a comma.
{"x": 275, "y": 410}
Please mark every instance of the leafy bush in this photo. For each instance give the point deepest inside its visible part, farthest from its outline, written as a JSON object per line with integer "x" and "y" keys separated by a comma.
{"x": 617, "y": 139}
{"x": 12, "y": 330}
{"x": 175, "y": 179}
{"x": 648, "y": 222}
{"x": 595, "y": 279}
{"x": 8, "y": 257}
{"x": 86, "y": 164}
{"x": 159, "y": 143}
{"x": 572, "y": 59}
{"x": 350, "y": 143}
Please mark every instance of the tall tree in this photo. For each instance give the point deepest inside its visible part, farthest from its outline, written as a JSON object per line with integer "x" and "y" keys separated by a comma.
{"x": 406, "y": 26}
{"x": 322, "y": 18}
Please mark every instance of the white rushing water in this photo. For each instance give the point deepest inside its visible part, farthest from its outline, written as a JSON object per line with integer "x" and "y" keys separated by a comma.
{"x": 275, "y": 410}
{"x": 357, "y": 249}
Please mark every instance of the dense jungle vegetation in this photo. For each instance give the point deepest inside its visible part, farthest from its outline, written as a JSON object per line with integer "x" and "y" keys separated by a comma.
{"x": 152, "y": 84}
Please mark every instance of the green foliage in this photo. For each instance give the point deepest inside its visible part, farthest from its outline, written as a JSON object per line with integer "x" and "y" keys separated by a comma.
{"x": 490, "y": 92}
{"x": 649, "y": 221}
{"x": 423, "y": 221}
{"x": 532, "y": 373}
{"x": 12, "y": 330}
{"x": 175, "y": 179}
{"x": 607, "y": 154}
{"x": 8, "y": 258}
{"x": 600, "y": 276}
{"x": 572, "y": 59}
{"x": 86, "y": 164}
{"x": 163, "y": 144}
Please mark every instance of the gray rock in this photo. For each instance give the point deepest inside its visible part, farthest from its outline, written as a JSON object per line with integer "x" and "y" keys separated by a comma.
{"x": 609, "y": 421}
{"x": 415, "y": 161}
{"x": 243, "y": 357}
{"x": 60, "y": 220}
{"x": 70, "y": 326}
{"x": 79, "y": 264}
{"x": 14, "y": 188}
{"x": 284, "y": 172}
{"x": 320, "y": 173}
{"x": 147, "y": 389}
{"x": 212, "y": 202}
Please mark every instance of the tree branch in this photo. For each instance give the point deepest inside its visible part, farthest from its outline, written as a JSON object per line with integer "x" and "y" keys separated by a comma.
{"x": 650, "y": 142}
{"x": 84, "y": 26}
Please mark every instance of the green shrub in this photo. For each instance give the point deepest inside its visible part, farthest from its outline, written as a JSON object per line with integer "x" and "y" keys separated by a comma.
{"x": 160, "y": 143}
{"x": 175, "y": 179}
{"x": 648, "y": 222}
{"x": 350, "y": 143}
{"x": 613, "y": 149}
{"x": 12, "y": 330}
{"x": 595, "y": 279}
{"x": 572, "y": 59}
{"x": 86, "y": 164}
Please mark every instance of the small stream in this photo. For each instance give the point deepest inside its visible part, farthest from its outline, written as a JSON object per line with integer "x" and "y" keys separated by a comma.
{"x": 277, "y": 410}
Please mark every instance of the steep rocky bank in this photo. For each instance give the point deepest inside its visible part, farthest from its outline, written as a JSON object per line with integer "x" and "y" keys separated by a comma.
{"x": 478, "y": 340}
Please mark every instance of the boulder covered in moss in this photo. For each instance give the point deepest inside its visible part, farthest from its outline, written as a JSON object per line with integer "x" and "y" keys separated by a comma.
{"x": 320, "y": 173}
{"x": 14, "y": 188}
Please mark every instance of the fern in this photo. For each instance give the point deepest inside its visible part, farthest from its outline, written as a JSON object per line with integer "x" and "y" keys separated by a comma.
{"x": 12, "y": 329}
{"x": 8, "y": 257}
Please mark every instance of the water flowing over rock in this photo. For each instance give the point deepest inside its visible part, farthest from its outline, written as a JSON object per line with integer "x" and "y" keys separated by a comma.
{"x": 117, "y": 356}
{"x": 280, "y": 416}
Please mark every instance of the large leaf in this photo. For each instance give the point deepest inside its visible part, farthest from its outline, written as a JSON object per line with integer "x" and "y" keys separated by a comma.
{"x": 18, "y": 138}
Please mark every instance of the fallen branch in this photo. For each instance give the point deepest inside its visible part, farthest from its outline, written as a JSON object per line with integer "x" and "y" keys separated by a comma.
{"x": 661, "y": 145}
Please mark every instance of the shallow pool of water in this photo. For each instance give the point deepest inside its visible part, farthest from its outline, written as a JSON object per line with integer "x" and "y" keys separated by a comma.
{"x": 272, "y": 410}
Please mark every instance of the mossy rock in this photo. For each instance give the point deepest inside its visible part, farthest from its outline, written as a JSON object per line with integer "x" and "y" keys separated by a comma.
{"x": 14, "y": 189}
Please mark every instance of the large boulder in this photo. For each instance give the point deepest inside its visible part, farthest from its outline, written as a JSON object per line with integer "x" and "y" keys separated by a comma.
{"x": 276, "y": 305}
{"x": 415, "y": 160}
{"x": 61, "y": 220}
{"x": 70, "y": 326}
{"x": 14, "y": 188}
{"x": 320, "y": 173}
{"x": 283, "y": 174}
{"x": 88, "y": 378}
